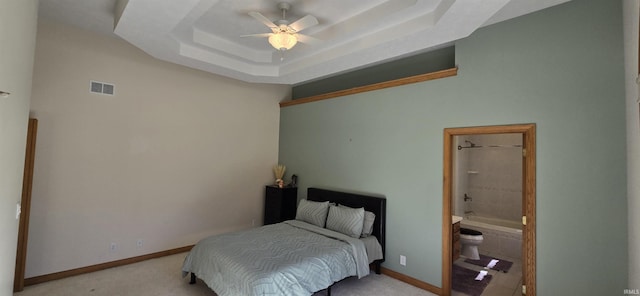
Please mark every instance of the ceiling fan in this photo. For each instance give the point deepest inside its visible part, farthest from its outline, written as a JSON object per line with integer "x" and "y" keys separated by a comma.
{"x": 285, "y": 35}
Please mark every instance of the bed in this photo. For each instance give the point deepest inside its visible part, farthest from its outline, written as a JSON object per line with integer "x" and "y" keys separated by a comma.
{"x": 295, "y": 257}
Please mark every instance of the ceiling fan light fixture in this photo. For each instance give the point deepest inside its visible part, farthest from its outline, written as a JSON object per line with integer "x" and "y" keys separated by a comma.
{"x": 283, "y": 40}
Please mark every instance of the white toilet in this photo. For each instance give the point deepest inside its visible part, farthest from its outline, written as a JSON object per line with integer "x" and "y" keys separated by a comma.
{"x": 470, "y": 240}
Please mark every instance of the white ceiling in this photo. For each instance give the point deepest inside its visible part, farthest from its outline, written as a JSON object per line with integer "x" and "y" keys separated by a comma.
{"x": 204, "y": 34}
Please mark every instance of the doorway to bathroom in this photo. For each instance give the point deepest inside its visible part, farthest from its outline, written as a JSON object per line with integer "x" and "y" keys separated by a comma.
{"x": 489, "y": 183}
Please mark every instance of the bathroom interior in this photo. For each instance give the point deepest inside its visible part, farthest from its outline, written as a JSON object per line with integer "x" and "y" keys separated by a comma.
{"x": 487, "y": 210}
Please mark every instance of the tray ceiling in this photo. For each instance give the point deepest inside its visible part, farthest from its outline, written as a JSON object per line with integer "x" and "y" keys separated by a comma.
{"x": 205, "y": 34}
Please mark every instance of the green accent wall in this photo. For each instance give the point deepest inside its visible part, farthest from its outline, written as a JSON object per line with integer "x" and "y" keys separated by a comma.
{"x": 428, "y": 62}
{"x": 560, "y": 68}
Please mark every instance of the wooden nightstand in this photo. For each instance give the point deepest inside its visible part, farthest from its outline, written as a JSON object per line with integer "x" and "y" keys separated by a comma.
{"x": 280, "y": 204}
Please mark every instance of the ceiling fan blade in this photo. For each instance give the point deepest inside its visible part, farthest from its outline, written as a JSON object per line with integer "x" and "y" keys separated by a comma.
{"x": 306, "y": 39}
{"x": 303, "y": 23}
{"x": 263, "y": 19}
{"x": 257, "y": 35}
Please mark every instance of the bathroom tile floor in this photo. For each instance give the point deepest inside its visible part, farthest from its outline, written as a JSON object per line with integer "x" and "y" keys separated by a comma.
{"x": 502, "y": 284}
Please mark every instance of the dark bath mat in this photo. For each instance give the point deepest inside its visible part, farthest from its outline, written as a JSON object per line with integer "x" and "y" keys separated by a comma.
{"x": 463, "y": 280}
{"x": 502, "y": 265}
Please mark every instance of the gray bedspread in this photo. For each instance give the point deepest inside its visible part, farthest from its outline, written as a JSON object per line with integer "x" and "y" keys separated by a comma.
{"x": 289, "y": 258}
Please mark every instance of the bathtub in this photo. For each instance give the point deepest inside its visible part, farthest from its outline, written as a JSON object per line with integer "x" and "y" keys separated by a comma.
{"x": 501, "y": 237}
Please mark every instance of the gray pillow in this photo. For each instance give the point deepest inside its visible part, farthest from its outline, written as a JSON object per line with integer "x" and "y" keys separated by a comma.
{"x": 367, "y": 227}
{"x": 369, "y": 219}
{"x": 313, "y": 212}
{"x": 346, "y": 220}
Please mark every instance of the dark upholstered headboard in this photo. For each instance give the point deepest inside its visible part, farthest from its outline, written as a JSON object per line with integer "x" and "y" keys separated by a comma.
{"x": 377, "y": 205}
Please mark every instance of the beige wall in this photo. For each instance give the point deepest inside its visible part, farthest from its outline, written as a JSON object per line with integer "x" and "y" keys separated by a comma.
{"x": 631, "y": 14}
{"x": 177, "y": 154}
{"x": 17, "y": 42}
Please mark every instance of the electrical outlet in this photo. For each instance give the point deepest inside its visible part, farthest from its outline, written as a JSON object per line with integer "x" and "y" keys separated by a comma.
{"x": 403, "y": 260}
{"x": 113, "y": 247}
{"x": 139, "y": 243}
{"x": 253, "y": 222}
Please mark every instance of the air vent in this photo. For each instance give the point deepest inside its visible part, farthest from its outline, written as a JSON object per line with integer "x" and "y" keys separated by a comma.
{"x": 102, "y": 88}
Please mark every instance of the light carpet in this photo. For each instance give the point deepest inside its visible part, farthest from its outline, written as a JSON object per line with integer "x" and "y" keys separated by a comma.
{"x": 162, "y": 276}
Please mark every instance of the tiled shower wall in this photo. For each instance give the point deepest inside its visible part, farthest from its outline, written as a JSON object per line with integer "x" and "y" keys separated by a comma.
{"x": 494, "y": 176}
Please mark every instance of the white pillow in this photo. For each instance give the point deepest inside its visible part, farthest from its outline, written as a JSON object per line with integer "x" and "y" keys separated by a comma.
{"x": 313, "y": 212}
{"x": 346, "y": 220}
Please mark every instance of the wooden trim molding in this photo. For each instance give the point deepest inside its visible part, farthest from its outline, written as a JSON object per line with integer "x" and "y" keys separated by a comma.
{"x": 447, "y": 174}
{"x": 528, "y": 132}
{"x": 375, "y": 86}
{"x": 411, "y": 281}
{"x": 25, "y": 204}
{"x": 78, "y": 271}
{"x": 529, "y": 210}
{"x": 102, "y": 266}
{"x": 82, "y": 270}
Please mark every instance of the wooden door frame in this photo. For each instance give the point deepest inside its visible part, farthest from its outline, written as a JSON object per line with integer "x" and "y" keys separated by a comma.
{"x": 25, "y": 205}
{"x": 528, "y": 206}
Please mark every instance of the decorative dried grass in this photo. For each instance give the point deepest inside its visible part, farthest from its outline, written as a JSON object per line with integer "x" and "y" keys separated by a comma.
{"x": 279, "y": 170}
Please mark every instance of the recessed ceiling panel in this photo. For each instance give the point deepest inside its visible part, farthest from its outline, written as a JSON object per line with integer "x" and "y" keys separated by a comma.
{"x": 206, "y": 34}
